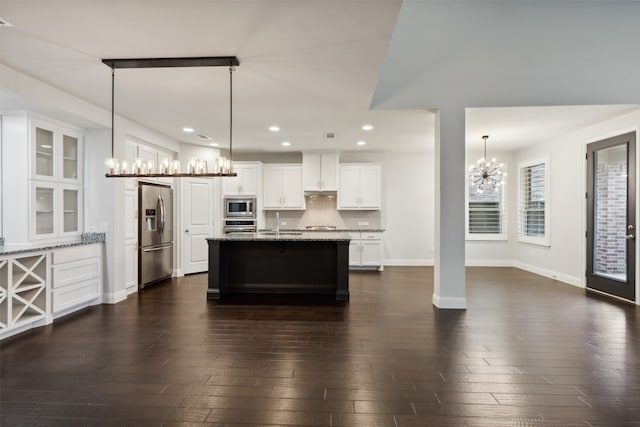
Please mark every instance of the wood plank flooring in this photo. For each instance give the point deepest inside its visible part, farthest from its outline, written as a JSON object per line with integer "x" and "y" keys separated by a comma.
{"x": 527, "y": 351}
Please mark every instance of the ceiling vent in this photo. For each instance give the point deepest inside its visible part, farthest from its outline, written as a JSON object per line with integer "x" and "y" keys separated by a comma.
{"x": 4, "y": 23}
{"x": 329, "y": 135}
{"x": 204, "y": 137}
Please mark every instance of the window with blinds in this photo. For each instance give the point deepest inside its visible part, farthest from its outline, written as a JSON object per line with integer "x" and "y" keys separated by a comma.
{"x": 533, "y": 193}
{"x": 486, "y": 213}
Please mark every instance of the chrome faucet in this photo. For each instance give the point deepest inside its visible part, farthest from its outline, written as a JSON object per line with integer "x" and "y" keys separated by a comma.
{"x": 277, "y": 223}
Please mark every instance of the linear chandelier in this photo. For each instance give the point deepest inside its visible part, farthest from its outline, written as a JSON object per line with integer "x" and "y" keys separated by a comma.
{"x": 485, "y": 174}
{"x": 169, "y": 167}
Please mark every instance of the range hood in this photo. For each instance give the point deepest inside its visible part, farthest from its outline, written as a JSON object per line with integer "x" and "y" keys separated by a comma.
{"x": 321, "y": 194}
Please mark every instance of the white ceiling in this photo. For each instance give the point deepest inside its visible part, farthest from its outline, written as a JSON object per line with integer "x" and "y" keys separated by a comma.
{"x": 309, "y": 67}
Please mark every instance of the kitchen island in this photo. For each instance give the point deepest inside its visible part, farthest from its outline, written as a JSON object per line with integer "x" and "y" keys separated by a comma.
{"x": 279, "y": 263}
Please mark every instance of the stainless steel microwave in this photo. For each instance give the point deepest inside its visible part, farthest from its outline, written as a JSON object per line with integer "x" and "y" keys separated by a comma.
{"x": 240, "y": 207}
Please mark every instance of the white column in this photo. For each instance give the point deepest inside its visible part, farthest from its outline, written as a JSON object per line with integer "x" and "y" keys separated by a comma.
{"x": 449, "y": 274}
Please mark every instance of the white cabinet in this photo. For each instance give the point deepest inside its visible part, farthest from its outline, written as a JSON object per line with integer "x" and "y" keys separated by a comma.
{"x": 76, "y": 278}
{"x": 360, "y": 187}
{"x": 365, "y": 250}
{"x": 246, "y": 183}
{"x": 56, "y": 152}
{"x": 282, "y": 187}
{"x": 320, "y": 171}
{"x": 56, "y": 210}
{"x": 44, "y": 160}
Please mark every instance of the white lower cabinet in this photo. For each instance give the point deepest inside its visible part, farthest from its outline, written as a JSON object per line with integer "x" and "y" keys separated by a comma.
{"x": 365, "y": 250}
{"x": 76, "y": 280}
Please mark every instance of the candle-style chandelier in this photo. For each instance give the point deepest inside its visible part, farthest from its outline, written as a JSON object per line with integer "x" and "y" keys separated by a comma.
{"x": 171, "y": 167}
{"x": 486, "y": 174}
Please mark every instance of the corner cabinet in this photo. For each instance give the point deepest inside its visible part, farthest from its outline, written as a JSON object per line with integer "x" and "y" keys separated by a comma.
{"x": 282, "y": 187}
{"x": 44, "y": 160}
{"x": 320, "y": 171}
{"x": 360, "y": 187}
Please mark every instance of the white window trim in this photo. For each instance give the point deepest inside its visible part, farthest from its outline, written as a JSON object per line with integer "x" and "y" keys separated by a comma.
{"x": 546, "y": 239}
{"x": 504, "y": 236}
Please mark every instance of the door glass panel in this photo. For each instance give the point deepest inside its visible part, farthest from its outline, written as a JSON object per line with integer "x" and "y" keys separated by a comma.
{"x": 70, "y": 210}
{"x": 70, "y": 157}
{"x": 610, "y": 213}
{"x": 44, "y": 210}
{"x": 44, "y": 152}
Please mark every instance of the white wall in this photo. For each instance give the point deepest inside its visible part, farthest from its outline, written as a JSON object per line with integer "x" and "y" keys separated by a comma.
{"x": 407, "y": 204}
{"x": 565, "y": 259}
{"x": 496, "y": 252}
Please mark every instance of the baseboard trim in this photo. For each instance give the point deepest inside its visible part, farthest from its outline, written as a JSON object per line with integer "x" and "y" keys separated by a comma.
{"x": 565, "y": 278}
{"x": 114, "y": 297}
{"x": 488, "y": 263}
{"x": 449, "y": 303}
{"x": 408, "y": 262}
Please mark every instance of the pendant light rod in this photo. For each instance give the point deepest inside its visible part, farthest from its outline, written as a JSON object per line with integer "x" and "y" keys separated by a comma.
{"x": 231, "y": 69}
{"x": 485, "y": 147}
{"x": 113, "y": 97}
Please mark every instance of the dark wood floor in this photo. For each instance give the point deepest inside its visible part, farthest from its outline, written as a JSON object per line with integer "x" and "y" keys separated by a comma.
{"x": 528, "y": 351}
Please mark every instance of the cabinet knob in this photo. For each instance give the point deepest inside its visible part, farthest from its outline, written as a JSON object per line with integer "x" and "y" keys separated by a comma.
{"x": 186, "y": 231}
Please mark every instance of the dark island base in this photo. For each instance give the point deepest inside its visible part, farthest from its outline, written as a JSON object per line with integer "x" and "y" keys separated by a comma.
{"x": 279, "y": 267}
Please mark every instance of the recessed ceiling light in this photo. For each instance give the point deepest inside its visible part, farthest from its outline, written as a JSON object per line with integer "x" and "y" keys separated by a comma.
{"x": 286, "y": 143}
{"x": 367, "y": 127}
{"x": 214, "y": 144}
{"x": 187, "y": 129}
{"x": 274, "y": 128}
{"x": 361, "y": 143}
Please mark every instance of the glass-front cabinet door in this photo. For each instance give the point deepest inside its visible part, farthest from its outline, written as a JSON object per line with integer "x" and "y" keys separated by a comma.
{"x": 70, "y": 153}
{"x": 43, "y": 209}
{"x": 44, "y": 149}
{"x": 71, "y": 202}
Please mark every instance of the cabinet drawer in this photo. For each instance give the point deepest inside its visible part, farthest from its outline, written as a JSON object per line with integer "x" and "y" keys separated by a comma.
{"x": 371, "y": 235}
{"x": 74, "y": 272}
{"x": 75, "y": 253}
{"x": 354, "y": 235}
{"x": 75, "y": 294}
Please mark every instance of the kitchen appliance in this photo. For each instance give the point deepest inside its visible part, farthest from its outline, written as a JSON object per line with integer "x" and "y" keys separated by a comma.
{"x": 239, "y": 226}
{"x": 155, "y": 233}
{"x": 240, "y": 207}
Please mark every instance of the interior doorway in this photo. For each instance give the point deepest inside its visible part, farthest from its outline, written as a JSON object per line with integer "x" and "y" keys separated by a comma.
{"x": 611, "y": 213}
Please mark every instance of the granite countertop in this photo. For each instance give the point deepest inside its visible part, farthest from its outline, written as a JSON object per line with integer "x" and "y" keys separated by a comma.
{"x": 285, "y": 235}
{"x": 337, "y": 230}
{"x": 86, "y": 239}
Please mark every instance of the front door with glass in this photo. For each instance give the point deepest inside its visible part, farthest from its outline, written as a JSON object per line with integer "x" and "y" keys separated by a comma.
{"x": 611, "y": 234}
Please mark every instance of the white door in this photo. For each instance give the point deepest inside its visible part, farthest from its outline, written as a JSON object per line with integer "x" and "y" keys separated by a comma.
{"x": 371, "y": 252}
{"x": 197, "y": 223}
{"x": 349, "y": 187}
{"x": 354, "y": 252}
{"x": 249, "y": 180}
{"x": 292, "y": 194}
{"x": 311, "y": 172}
{"x": 329, "y": 175}
{"x": 370, "y": 186}
{"x": 272, "y": 183}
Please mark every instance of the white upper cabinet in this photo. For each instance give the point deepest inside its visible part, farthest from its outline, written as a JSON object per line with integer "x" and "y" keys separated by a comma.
{"x": 44, "y": 159}
{"x": 56, "y": 152}
{"x": 246, "y": 183}
{"x": 282, "y": 187}
{"x": 360, "y": 187}
{"x": 320, "y": 171}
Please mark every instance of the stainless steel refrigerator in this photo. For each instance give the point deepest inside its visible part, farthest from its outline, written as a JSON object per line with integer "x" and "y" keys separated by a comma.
{"x": 155, "y": 233}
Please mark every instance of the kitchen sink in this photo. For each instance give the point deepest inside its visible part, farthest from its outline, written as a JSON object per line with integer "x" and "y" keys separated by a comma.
{"x": 282, "y": 233}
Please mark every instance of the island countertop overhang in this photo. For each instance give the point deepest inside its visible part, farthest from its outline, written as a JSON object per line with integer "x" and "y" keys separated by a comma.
{"x": 283, "y": 236}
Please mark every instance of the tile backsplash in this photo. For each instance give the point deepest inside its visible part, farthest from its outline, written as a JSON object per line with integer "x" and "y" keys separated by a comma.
{"x": 321, "y": 210}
